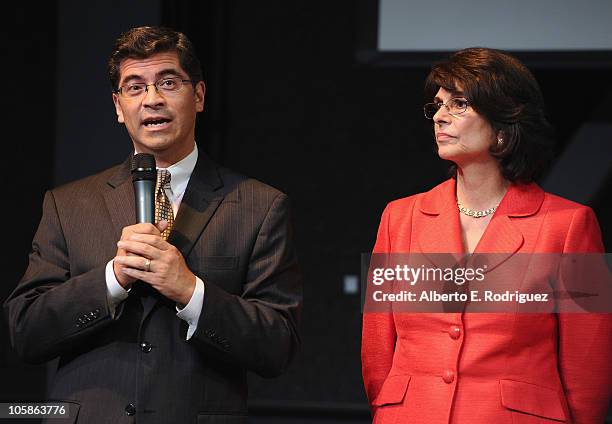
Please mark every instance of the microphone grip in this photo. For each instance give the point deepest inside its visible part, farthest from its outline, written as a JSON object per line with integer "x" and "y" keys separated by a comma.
{"x": 145, "y": 201}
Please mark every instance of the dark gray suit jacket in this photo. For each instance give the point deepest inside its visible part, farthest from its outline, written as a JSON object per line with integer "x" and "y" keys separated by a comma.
{"x": 234, "y": 233}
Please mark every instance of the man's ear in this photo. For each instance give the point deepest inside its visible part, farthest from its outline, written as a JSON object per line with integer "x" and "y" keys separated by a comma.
{"x": 200, "y": 92}
{"x": 118, "y": 109}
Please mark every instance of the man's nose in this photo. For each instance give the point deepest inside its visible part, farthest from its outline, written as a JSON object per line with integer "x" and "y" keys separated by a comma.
{"x": 152, "y": 97}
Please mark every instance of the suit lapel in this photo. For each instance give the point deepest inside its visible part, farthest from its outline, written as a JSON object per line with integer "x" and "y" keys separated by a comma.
{"x": 122, "y": 210}
{"x": 503, "y": 238}
{"x": 120, "y": 200}
{"x": 438, "y": 226}
{"x": 201, "y": 200}
{"x": 202, "y": 197}
{"x": 440, "y": 231}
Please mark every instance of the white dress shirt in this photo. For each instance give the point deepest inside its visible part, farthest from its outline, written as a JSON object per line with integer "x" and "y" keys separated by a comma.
{"x": 180, "y": 173}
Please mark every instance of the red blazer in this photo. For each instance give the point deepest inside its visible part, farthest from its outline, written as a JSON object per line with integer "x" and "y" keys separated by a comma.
{"x": 429, "y": 368}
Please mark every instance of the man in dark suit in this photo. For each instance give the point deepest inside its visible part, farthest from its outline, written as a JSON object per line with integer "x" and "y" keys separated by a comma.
{"x": 159, "y": 323}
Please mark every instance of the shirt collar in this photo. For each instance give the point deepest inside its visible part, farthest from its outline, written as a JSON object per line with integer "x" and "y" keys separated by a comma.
{"x": 181, "y": 171}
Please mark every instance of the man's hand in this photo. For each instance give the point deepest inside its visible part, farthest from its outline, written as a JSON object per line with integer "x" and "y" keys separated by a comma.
{"x": 126, "y": 233}
{"x": 143, "y": 254}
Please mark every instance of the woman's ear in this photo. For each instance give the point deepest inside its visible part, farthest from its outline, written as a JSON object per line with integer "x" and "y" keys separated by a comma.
{"x": 500, "y": 138}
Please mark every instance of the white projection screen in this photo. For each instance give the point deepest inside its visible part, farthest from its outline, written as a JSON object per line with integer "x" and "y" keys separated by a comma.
{"x": 519, "y": 25}
{"x": 574, "y": 32}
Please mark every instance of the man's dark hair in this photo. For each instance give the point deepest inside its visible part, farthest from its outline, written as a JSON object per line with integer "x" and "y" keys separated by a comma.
{"x": 145, "y": 41}
{"x": 501, "y": 89}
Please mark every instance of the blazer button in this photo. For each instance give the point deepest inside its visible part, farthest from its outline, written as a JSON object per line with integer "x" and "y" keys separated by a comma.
{"x": 146, "y": 347}
{"x": 454, "y": 332}
{"x": 448, "y": 376}
{"x": 130, "y": 409}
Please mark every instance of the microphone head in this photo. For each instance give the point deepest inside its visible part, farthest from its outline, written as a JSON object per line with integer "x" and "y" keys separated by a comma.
{"x": 143, "y": 167}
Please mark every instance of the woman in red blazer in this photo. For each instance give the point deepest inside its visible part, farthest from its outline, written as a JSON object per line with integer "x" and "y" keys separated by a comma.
{"x": 472, "y": 368}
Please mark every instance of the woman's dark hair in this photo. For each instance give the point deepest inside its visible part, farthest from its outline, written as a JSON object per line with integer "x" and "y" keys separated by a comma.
{"x": 501, "y": 89}
{"x": 145, "y": 41}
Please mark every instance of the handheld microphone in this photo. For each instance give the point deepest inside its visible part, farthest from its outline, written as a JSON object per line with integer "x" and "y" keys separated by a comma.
{"x": 144, "y": 176}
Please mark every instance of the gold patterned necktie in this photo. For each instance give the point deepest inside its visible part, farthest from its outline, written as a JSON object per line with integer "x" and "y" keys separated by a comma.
{"x": 163, "y": 207}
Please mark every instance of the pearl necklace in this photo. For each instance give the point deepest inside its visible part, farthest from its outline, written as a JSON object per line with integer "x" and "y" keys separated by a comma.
{"x": 476, "y": 214}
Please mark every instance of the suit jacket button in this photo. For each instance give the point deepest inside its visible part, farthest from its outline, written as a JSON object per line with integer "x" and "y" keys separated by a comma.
{"x": 130, "y": 409}
{"x": 454, "y": 332}
{"x": 146, "y": 347}
{"x": 448, "y": 376}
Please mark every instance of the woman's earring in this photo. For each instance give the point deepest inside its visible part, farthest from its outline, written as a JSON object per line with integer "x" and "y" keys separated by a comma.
{"x": 500, "y": 141}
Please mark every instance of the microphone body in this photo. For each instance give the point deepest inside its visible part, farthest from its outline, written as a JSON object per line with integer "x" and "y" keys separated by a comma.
{"x": 144, "y": 177}
{"x": 145, "y": 200}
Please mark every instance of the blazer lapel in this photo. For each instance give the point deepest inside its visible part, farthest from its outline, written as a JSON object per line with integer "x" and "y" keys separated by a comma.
{"x": 438, "y": 226}
{"x": 503, "y": 238}
{"x": 440, "y": 231}
{"x": 122, "y": 210}
{"x": 120, "y": 200}
{"x": 201, "y": 200}
{"x": 202, "y": 197}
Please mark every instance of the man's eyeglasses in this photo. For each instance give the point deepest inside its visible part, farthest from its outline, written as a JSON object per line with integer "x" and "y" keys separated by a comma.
{"x": 455, "y": 106}
{"x": 163, "y": 86}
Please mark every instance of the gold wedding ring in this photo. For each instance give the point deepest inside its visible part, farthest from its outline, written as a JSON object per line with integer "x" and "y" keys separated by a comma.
{"x": 147, "y": 265}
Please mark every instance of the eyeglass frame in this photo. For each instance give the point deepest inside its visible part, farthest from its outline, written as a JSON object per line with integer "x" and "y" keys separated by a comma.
{"x": 440, "y": 104}
{"x": 146, "y": 87}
